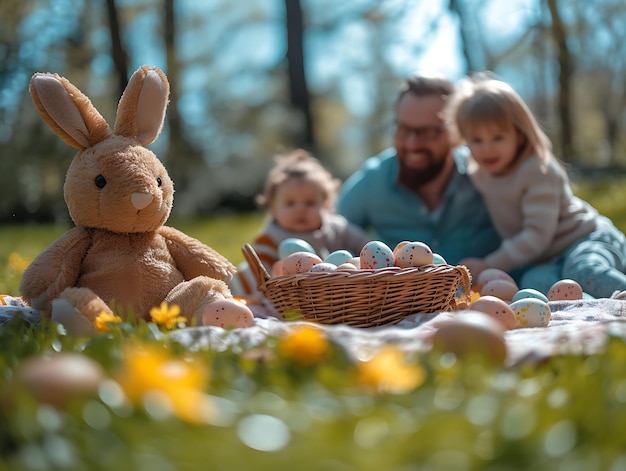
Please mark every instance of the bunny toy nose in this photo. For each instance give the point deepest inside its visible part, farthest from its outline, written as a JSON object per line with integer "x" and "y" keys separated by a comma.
{"x": 141, "y": 200}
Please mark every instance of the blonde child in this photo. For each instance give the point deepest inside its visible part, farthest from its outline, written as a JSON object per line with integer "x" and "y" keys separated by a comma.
{"x": 528, "y": 194}
{"x": 299, "y": 197}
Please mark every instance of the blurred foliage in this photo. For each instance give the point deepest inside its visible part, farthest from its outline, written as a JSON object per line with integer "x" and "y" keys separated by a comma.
{"x": 231, "y": 83}
{"x": 259, "y": 407}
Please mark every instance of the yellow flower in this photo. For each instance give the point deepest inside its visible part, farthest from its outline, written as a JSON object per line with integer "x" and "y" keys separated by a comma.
{"x": 307, "y": 345}
{"x": 167, "y": 316}
{"x": 17, "y": 262}
{"x": 103, "y": 321}
{"x": 388, "y": 371}
{"x": 178, "y": 383}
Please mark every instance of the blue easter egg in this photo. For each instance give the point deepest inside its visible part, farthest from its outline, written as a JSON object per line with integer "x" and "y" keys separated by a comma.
{"x": 293, "y": 245}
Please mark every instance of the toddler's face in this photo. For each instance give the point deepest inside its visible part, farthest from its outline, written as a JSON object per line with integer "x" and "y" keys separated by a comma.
{"x": 494, "y": 146}
{"x": 298, "y": 206}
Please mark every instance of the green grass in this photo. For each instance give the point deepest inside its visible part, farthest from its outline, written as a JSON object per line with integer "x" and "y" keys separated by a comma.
{"x": 271, "y": 411}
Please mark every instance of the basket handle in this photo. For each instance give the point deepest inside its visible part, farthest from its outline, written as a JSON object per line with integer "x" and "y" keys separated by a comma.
{"x": 258, "y": 270}
{"x": 467, "y": 286}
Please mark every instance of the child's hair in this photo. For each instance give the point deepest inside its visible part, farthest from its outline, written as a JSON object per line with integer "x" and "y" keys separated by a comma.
{"x": 299, "y": 164}
{"x": 483, "y": 99}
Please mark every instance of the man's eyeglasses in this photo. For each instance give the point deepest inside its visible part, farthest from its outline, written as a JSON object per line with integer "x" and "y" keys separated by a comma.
{"x": 425, "y": 133}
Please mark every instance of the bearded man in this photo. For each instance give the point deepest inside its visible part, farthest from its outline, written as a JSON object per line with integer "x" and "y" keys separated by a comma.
{"x": 418, "y": 190}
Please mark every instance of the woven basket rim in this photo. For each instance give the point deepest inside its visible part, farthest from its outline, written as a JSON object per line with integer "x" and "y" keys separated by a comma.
{"x": 363, "y": 290}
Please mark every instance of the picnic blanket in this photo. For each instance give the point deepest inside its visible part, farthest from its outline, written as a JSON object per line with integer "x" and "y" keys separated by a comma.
{"x": 578, "y": 326}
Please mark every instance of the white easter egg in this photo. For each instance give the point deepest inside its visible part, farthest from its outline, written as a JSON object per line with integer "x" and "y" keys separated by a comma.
{"x": 293, "y": 245}
{"x": 531, "y": 312}
{"x": 376, "y": 254}
{"x": 338, "y": 257}
{"x": 414, "y": 254}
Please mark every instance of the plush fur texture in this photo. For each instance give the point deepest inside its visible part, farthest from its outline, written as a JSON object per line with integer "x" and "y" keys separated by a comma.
{"x": 119, "y": 196}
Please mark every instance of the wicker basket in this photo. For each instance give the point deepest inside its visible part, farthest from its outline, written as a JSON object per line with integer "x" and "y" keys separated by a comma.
{"x": 363, "y": 298}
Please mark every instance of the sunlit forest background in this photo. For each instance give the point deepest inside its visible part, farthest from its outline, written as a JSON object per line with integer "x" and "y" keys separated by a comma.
{"x": 251, "y": 78}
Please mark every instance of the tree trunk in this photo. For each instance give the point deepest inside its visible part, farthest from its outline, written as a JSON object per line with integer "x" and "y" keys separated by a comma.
{"x": 299, "y": 90}
{"x": 118, "y": 52}
{"x": 184, "y": 159}
{"x": 566, "y": 70}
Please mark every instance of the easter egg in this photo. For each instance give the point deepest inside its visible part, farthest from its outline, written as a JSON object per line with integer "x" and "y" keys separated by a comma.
{"x": 376, "y": 254}
{"x": 565, "y": 289}
{"x": 347, "y": 267}
{"x": 399, "y": 246}
{"x": 338, "y": 257}
{"x": 228, "y": 314}
{"x": 277, "y": 268}
{"x": 471, "y": 333}
{"x": 531, "y": 312}
{"x": 293, "y": 245}
{"x": 493, "y": 274}
{"x": 356, "y": 261}
{"x": 496, "y": 308}
{"x": 323, "y": 267}
{"x": 529, "y": 293}
{"x": 499, "y": 288}
{"x": 59, "y": 378}
{"x": 300, "y": 262}
{"x": 413, "y": 254}
{"x": 439, "y": 260}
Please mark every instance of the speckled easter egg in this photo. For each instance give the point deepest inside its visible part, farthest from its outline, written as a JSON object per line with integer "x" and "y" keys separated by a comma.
{"x": 293, "y": 245}
{"x": 300, "y": 262}
{"x": 228, "y": 314}
{"x": 338, "y": 257}
{"x": 496, "y": 308}
{"x": 376, "y": 254}
{"x": 323, "y": 267}
{"x": 414, "y": 254}
{"x": 531, "y": 312}
{"x": 565, "y": 290}
{"x": 399, "y": 246}
{"x": 530, "y": 293}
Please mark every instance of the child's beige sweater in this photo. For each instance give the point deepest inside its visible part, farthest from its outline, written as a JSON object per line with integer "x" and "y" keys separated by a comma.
{"x": 534, "y": 211}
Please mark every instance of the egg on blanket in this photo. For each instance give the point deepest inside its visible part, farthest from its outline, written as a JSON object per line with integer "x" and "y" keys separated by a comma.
{"x": 531, "y": 312}
{"x": 376, "y": 254}
{"x": 300, "y": 262}
{"x": 496, "y": 308}
{"x": 471, "y": 333}
{"x": 529, "y": 293}
{"x": 565, "y": 290}
{"x": 228, "y": 313}
{"x": 292, "y": 245}
{"x": 499, "y": 288}
{"x": 338, "y": 257}
{"x": 413, "y": 254}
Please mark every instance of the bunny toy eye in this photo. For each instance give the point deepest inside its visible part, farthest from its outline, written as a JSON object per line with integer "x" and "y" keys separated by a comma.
{"x": 100, "y": 181}
{"x": 159, "y": 181}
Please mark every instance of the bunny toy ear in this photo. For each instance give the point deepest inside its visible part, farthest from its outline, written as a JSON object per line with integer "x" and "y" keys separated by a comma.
{"x": 141, "y": 111}
{"x": 67, "y": 111}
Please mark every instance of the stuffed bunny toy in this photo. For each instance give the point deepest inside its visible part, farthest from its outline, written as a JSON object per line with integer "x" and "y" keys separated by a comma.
{"x": 119, "y": 196}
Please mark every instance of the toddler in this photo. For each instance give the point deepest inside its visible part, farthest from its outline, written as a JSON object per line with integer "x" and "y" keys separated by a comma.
{"x": 528, "y": 194}
{"x": 299, "y": 197}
